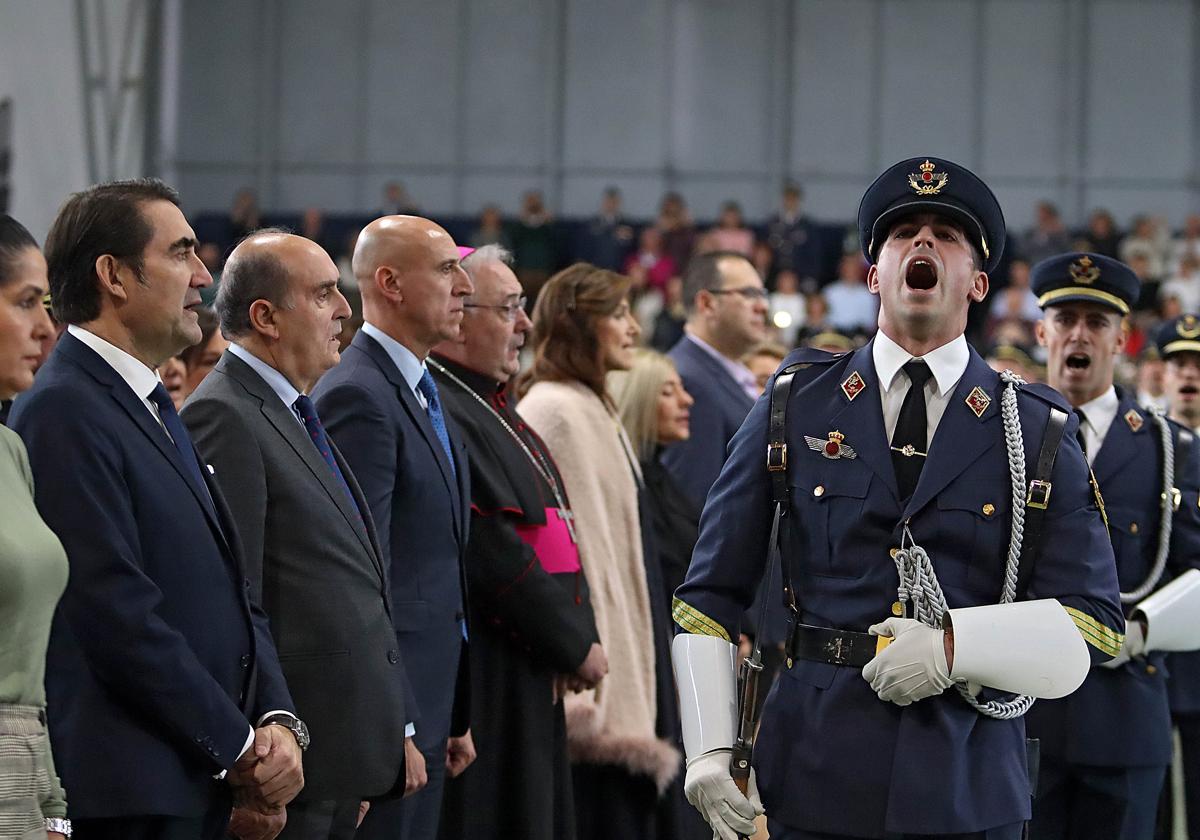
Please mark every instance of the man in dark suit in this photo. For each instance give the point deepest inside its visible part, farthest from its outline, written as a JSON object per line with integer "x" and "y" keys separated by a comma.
{"x": 313, "y": 557}
{"x": 727, "y": 310}
{"x": 382, "y": 407}
{"x": 159, "y": 658}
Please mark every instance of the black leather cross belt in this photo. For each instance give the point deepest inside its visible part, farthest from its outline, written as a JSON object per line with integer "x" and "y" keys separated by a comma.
{"x": 836, "y": 647}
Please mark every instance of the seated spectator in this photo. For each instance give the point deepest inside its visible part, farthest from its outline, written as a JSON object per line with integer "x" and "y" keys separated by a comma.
{"x": 1184, "y": 285}
{"x": 1188, "y": 242}
{"x": 764, "y": 360}
{"x": 1151, "y": 379}
{"x": 200, "y": 358}
{"x": 1016, "y": 300}
{"x": 678, "y": 230}
{"x": 1047, "y": 237}
{"x": 345, "y": 264}
{"x": 397, "y": 201}
{"x": 650, "y": 267}
{"x": 33, "y": 564}
{"x": 852, "y": 306}
{"x": 816, "y": 318}
{"x": 609, "y": 235}
{"x": 731, "y": 233}
{"x": 671, "y": 318}
{"x": 534, "y": 244}
{"x": 623, "y": 755}
{"x": 173, "y": 373}
{"x": 792, "y": 237}
{"x": 764, "y": 262}
{"x": 312, "y": 226}
{"x": 245, "y": 216}
{"x": 788, "y": 308}
{"x": 1147, "y": 240}
{"x": 491, "y": 229}
{"x": 1102, "y": 235}
{"x": 210, "y": 254}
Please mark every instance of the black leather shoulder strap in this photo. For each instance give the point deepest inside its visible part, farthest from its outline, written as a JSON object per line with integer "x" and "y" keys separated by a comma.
{"x": 777, "y": 456}
{"x": 1039, "y": 496}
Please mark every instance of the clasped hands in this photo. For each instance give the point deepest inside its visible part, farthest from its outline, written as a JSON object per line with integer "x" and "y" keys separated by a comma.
{"x": 915, "y": 665}
{"x": 588, "y": 675}
{"x": 270, "y": 773}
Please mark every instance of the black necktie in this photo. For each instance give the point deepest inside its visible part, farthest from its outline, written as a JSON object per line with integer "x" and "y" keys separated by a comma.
{"x": 1079, "y": 435}
{"x": 910, "y": 440}
{"x": 179, "y": 436}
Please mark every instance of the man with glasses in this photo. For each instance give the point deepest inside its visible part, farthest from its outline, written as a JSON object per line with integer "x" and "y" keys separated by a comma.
{"x": 727, "y": 317}
{"x": 534, "y": 634}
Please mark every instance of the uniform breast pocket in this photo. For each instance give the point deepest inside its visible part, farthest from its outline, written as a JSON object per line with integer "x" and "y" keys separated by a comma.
{"x": 973, "y": 524}
{"x": 1128, "y": 529}
{"x": 827, "y": 506}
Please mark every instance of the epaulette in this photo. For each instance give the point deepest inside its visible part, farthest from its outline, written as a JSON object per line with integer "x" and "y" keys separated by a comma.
{"x": 1046, "y": 394}
{"x": 811, "y": 356}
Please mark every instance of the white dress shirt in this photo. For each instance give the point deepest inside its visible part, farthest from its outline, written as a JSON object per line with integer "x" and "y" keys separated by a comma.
{"x": 947, "y": 363}
{"x": 411, "y": 368}
{"x": 279, "y": 383}
{"x": 1099, "y": 414}
{"x": 140, "y": 378}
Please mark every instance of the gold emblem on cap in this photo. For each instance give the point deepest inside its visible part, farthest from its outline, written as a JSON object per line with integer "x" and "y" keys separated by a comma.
{"x": 1084, "y": 271}
{"x": 978, "y": 401}
{"x": 1188, "y": 327}
{"x": 1134, "y": 420}
{"x": 928, "y": 182}
{"x": 853, "y": 386}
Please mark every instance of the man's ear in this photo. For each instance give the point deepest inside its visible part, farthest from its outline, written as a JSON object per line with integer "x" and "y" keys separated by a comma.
{"x": 1123, "y": 334}
{"x": 262, "y": 319}
{"x": 1039, "y": 332}
{"x": 113, "y": 275}
{"x": 979, "y": 288}
{"x": 873, "y": 279}
{"x": 389, "y": 283}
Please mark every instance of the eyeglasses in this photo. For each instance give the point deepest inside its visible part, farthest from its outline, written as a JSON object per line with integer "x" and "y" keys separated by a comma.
{"x": 510, "y": 310}
{"x": 748, "y": 292}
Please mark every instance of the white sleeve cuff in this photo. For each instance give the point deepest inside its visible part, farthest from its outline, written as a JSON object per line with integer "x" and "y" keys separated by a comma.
{"x": 410, "y": 730}
{"x": 245, "y": 748}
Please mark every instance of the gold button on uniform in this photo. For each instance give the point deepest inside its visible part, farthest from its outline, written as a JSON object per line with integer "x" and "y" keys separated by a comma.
{"x": 893, "y": 552}
{"x": 1133, "y": 527}
{"x": 989, "y": 509}
{"x": 1150, "y": 669}
{"x": 897, "y": 609}
{"x": 819, "y": 490}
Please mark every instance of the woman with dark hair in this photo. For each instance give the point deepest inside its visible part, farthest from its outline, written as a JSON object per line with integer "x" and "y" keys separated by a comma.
{"x": 33, "y": 565}
{"x": 621, "y": 749}
{"x": 202, "y": 357}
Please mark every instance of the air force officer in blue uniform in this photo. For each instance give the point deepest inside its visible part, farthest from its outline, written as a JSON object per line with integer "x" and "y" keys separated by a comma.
{"x": 900, "y": 460}
{"x": 1106, "y": 748}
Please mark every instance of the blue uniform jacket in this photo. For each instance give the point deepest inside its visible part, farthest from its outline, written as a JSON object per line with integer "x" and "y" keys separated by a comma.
{"x": 158, "y": 658}
{"x": 1120, "y": 717}
{"x": 831, "y": 756}
{"x": 420, "y": 505}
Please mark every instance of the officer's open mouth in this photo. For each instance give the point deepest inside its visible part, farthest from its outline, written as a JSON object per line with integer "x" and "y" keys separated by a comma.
{"x": 1189, "y": 391}
{"x": 1079, "y": 361}
{"x": 921, "y": 274}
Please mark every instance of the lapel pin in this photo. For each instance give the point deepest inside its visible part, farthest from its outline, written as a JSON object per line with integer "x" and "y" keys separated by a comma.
{"x": 1134, "y": 420}
{"x": 978, "y": 401}
{"x": 853, "y": 386}
{"x": 832, "y": 448}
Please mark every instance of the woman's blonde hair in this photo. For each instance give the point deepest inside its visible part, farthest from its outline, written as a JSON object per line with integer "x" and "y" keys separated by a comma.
{"x": 636, "y": 392}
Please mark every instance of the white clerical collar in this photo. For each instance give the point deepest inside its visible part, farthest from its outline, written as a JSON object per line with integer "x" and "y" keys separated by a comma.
{"x": 947, "y": 363}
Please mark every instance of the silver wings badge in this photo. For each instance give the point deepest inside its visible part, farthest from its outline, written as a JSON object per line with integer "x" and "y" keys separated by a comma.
{"x": 833, "y": 448}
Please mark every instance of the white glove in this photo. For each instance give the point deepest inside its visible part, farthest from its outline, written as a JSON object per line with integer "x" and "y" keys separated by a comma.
{"x": 710, "y": 788}
{"x": 912, "y": 667}
{"x": 1134, "y": 645}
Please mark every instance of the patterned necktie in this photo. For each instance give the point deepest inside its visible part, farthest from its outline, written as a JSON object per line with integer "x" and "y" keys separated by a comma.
{"x": 179, "y": 436}
{"x": 910, "y": 439}
{"x": 308, "y": 413}
{"x": 428, "y": 389}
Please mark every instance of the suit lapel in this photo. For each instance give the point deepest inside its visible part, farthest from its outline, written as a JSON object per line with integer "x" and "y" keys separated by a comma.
{"x": 719, "y": 374}
{"x": 1119, "y": 446}
{"x": 419, "y": 417}
{"x": 140, "y": 414}
{"x": 860, "y": 418}
{"x": 961, "y": 436}
{"x": 364, "y": 526}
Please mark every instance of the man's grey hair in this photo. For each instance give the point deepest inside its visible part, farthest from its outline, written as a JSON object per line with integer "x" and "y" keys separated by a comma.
{"x": 484, "y": 255}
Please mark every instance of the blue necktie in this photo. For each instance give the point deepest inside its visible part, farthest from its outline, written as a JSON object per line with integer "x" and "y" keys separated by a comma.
{"x": 179, "y": 436}
{"x": 428, "y": 389}
{"x": 308, "y": 413}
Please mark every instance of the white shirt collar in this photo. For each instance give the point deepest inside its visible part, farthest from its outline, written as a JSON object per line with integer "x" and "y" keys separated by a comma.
{"x": 279, "y": 383}
{"x": 1101, "y": 412}
{"x": 947, "y": 363}
{"x": 140, "y": 378}
{"x": 411, "y": 368}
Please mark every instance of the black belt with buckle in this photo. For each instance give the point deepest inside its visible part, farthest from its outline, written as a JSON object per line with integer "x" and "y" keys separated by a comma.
{"x": 836, "y": 647}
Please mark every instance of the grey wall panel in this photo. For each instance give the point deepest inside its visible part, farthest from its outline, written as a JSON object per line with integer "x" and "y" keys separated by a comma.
{"x": 928, "y": 85}
{"x": 432, "y": 192}
{"x": 721, "y": 74}
{"x": 834, "y": 110}
{"x": 615, "y": 97}
{"x": 332, "y": 191}
{"x": 221, "y": 81}
{"x": 1173, "y": 202}
{"x": 706, "y": 193}
{"x": 211, "y": 187}
{"x": 320, "y": 80}
{"x": 411, "y": 96}
{"x": 1025, "y": 79}
{"x": 507, "y": 87}
{"x": 1141, "y": 91}
{"x": 503, "y": 190}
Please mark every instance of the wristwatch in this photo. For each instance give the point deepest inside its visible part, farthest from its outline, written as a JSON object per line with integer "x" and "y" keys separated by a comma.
{"x": 293, "y": 725}
{"x": 59, "y": 825}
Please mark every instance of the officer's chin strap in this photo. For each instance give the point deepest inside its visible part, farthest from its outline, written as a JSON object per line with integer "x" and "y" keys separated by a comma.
{"x": 918, "y": 581}
{"x": 1168, "y": 510}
